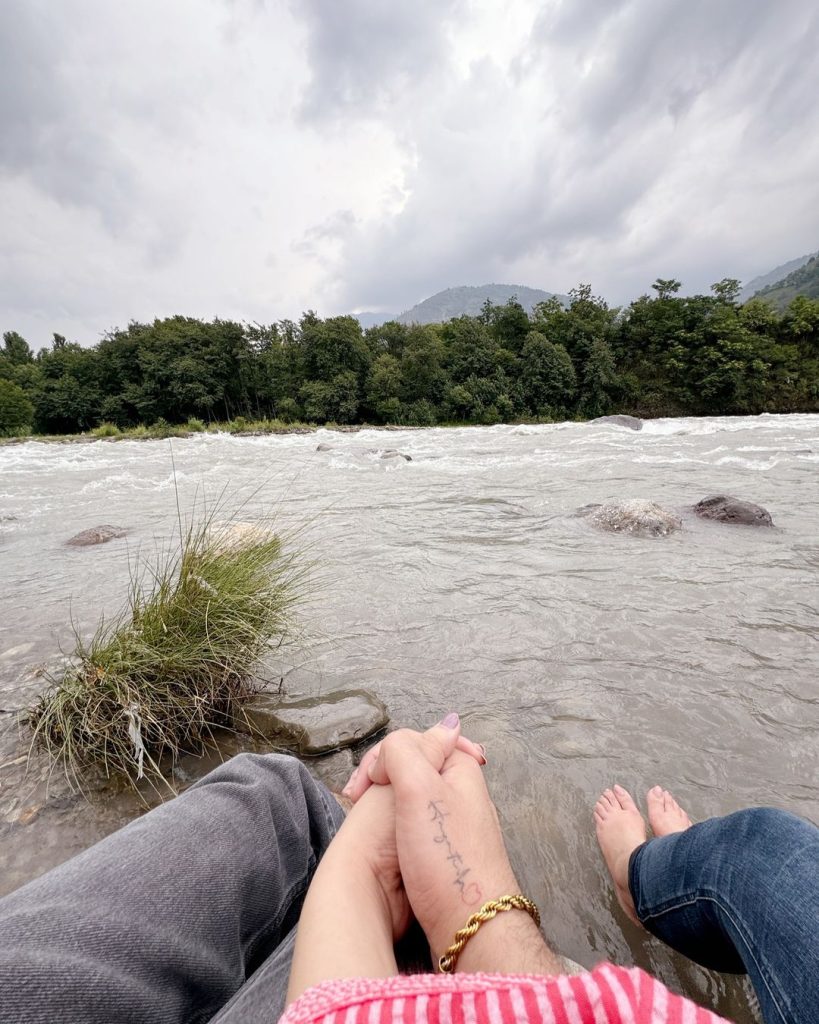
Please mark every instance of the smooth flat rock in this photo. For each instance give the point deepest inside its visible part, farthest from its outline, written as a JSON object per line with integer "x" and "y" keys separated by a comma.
{"x": 632, "y": 422}
{"x": 96, "y": 535}
{"x": 723, "y": 508}
{"x": 317, "y": 725}
{"x": 636, "y": 517}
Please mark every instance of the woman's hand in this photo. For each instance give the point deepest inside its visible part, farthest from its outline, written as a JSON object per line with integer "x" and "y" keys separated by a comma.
{"x": 356, "y": 906}
{"x": 360, "y": 781}
{"x": 451, "y": 851}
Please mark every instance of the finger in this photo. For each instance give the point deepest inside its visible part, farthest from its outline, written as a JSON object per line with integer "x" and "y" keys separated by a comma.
{"x": 476, "y": 750}
{"x": 413, "y": 751}
{"x": 359, "y": 782}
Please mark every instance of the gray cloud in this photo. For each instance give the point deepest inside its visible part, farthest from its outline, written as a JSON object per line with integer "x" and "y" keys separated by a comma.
{"x": 252, "y": 159}
{"x": 625, "y": 96}
{"x": 51, "y": 128}
{"x": 365, "y": 53}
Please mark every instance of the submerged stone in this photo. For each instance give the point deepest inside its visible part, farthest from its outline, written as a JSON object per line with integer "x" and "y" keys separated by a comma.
{"x": 637, "y": 517}
{"x": 316, "y": 725}
{"x": 324, "y": 447}
{"x": 632, "y": 422}
{"x": 723, "y": 508}
{"x": 96, "y": 535}
{"x": 392, "y": 454}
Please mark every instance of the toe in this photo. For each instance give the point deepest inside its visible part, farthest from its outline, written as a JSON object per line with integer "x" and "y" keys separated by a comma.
{"x": 624, "y": 799}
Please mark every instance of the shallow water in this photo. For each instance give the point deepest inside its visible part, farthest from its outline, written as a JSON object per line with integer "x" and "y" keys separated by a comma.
{"x": 462, "y": 580}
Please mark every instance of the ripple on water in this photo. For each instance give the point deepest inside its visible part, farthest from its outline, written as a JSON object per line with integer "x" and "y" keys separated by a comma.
{"x": 463, "y": 580}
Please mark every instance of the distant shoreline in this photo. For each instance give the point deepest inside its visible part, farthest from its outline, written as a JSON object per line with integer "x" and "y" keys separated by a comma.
{"x": 253, "y": 431}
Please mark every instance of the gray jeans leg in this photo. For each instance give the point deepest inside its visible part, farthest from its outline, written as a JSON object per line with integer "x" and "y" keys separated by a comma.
{"x": 165, "y": 920}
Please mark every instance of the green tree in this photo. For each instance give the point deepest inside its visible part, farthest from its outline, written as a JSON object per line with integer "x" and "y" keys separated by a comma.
{"x": 16, "y": 350}
{"x": 384, "y": 387}
{"x": 16, "y": 411}
{"x": 727, "y": 290}
{"x": 548, "y": 376}
{"x": 600, "y": 381}
{"x": 665, "y": 287}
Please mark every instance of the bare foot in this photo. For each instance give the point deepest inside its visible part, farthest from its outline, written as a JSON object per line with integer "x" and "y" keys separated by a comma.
{"x": 664, "y": 813}
{"x": 620, "y": 830}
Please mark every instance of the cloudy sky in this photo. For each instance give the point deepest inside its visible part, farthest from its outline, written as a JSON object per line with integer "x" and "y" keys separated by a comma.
{"x": 254, "y": 158}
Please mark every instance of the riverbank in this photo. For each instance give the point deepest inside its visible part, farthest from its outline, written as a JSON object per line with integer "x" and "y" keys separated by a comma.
{"x": 236, "y": 428}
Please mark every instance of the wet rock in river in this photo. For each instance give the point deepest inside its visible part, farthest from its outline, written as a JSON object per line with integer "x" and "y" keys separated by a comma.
{"x": 335, "y": 769}
{"x": 391, "y": 453}
{"x": 324, "y": 447}
{"x": 725, "y": 509}
{"x": 637, "y": 517}
{"x": 632, "y": 422}
{"x": 96, "y": 535}
{"x": 317, "y": 725}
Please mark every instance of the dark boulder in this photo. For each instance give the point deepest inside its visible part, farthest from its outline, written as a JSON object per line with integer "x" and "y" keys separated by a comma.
{"x": 723, "y": 508}
{"x": 96, "y": 535}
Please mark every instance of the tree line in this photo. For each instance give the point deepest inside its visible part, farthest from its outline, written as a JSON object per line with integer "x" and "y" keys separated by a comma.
{"x": 663, "y": 355}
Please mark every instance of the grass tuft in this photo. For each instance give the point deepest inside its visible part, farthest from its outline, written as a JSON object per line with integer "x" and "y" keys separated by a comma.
{"x": 178, "y": 661}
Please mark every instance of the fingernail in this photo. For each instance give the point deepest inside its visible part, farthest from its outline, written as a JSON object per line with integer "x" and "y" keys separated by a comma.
{"x": 482, "y": 749}
{"x": 451, "y": 720}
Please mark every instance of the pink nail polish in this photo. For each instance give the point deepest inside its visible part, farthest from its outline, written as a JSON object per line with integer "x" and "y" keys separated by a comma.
{"x": 451, "y": 720}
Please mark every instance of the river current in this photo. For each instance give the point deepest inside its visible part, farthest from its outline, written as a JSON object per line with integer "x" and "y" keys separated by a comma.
{"x": 462, "y": 580}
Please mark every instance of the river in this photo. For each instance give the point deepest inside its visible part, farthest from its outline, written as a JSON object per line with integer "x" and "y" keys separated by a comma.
{"x": 462, "y": 580}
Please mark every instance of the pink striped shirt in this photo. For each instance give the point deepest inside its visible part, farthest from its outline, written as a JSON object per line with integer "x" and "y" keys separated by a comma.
{"x": 606, "y": 995}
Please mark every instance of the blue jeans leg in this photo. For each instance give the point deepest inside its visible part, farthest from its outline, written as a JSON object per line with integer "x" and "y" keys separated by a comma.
{"x": 166, "y": 920}
{"x": 740, "y": 894}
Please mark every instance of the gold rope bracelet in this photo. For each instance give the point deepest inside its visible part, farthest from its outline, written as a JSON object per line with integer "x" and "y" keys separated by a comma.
{"x": 448, "y": 959}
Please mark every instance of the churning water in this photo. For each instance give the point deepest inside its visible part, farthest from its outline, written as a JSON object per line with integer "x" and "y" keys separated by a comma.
{"x": 462, "y": 580}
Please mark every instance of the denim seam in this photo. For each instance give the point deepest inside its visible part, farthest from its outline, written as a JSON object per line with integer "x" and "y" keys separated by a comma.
{"x": 274, "y": 923}
{"x": 687, "y": 902}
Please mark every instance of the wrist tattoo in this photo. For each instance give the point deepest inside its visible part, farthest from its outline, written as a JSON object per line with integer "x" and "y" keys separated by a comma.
{"x": 470, "y": 892}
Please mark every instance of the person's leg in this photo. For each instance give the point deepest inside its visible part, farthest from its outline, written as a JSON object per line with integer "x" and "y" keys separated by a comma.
{"x": 738, "y": 894}
{"x": 166, "y": 919}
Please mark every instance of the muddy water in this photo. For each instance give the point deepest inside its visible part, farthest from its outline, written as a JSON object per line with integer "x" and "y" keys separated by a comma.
{"x": 462, "y": 580}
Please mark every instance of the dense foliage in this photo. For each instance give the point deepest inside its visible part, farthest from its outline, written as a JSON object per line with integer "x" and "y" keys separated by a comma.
{"x": 662, "y": 355}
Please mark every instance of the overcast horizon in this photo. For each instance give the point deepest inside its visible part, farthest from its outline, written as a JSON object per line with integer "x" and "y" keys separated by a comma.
{"x": 251, "y": 160}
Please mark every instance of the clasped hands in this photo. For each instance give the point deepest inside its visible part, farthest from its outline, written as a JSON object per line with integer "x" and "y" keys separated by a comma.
{"x": 422, "y": 840}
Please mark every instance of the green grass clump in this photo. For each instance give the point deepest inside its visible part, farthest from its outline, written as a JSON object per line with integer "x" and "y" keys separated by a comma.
{"x": 178, "y": 661}
{"x": 106, "y": 430}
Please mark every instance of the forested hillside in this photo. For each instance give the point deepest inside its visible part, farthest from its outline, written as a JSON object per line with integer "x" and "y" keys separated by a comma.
{"x": 662, "y": 355}
{"x": 468, "y": 300}
{"x": 774, "y": 276}
{"x": 804, "y": 281}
